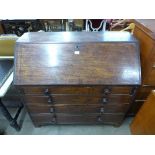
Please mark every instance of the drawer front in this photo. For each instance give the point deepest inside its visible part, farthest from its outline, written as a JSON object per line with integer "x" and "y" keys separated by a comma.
{"x": 77, "y": 90}
{"x": 143, "y": 92}
{"x": 77, "y": 119}
{"x": 79, "y": 109}
{"x": 76, "y": 99}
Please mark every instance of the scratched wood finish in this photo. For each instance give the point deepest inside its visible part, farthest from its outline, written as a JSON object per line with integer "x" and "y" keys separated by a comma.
{"x": 88, "y": 78}
{"x": 75, "y": 37}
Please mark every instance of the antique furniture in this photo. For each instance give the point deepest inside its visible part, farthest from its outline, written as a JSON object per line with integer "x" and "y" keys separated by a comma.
{"x": 144, "y": 121}
{"x": 101, "y": 27}
{"x": 145, "y": 32}
{"x": 6, "y": 78}
{"x": 77, "y": 77}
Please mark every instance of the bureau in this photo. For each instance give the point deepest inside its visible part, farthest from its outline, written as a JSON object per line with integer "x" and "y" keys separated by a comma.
{"x": 145, "y": 32}
{"x": 77, "y": 77}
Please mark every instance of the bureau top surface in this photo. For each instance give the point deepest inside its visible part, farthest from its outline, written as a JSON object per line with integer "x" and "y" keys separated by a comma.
{"x": 72, "y": 37}
{"x": 147, "y": 25}
{"x": 84, "y": 63}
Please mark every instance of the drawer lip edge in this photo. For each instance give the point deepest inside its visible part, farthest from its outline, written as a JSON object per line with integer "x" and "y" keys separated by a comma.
{"x": 85, "y": 115}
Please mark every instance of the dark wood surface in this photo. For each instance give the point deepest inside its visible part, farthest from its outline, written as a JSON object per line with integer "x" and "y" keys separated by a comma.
{"x": 61, "y": 86}
{"x": 46, "y": 119}
{"x": 77, "y": 99}
{"x": 78, "y": 108}
{"x": 112, "y": 63}
{"x": 29, "y": 90}
{"x": 75, "y": 37}
{"x": 141, "y": 96}
{"x": 143, "y": 92}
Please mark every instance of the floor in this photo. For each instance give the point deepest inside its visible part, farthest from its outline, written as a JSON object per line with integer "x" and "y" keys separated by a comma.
{"x": 29, "y": 129}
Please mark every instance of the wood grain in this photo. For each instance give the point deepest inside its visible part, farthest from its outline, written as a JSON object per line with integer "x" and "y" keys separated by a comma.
{"x": 46, "y": 119}
{"x": 77, "y": 74}
{"x": 144, "y": 121}
{"x": 145, "y": 33}
{"x": 78, "y": 109}
{"x": 97, "y": 64}
{"x": 78, "y": 99}
{"x": 87, "y": 90}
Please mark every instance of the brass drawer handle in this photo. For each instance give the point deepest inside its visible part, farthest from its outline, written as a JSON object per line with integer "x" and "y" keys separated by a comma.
{"x": 104, "y": 100}
{"x": 107, "y": 91}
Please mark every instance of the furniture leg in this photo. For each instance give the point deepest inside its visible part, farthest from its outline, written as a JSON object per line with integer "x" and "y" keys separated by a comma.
{"x": 7, "y": 115}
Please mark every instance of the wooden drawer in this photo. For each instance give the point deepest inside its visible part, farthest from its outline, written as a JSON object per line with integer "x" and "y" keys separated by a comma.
{"x": 45, "y": 119}
{"x": 77, "y": 99}
{"x": 77, "y": 90}
{"x": 79, "y": 109}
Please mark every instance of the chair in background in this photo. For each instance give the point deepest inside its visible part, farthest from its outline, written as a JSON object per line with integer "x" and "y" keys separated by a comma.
{"x": 101, "y": 27}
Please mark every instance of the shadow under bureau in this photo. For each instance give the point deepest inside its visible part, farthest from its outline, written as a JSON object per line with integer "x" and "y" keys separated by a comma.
{"x": 77, "y": 77}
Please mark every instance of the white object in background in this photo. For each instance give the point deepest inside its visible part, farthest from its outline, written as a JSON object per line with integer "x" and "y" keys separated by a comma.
{"x": 89, "y": 25}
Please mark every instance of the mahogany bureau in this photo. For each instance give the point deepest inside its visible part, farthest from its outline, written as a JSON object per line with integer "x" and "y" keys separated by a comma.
{"x": 77, "y": 77}
{"x": 145, "y": 33}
